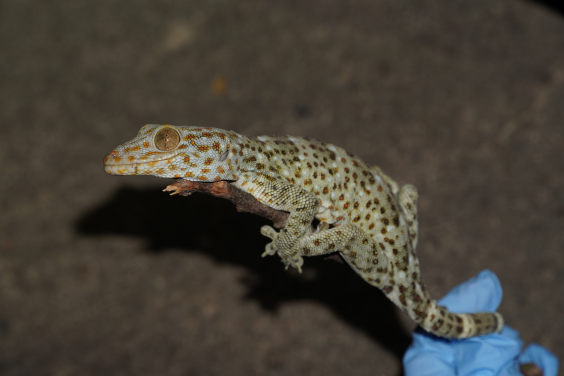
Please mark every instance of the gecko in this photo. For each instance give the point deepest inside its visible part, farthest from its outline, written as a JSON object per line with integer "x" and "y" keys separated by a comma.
{"x": 362, "y": 213}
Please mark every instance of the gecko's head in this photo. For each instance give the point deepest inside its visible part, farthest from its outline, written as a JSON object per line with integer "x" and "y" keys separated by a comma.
{"x": 168, "y": 151}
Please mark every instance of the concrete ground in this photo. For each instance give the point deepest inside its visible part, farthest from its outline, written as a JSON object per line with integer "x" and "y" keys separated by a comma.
{"x": 104, "y": 275}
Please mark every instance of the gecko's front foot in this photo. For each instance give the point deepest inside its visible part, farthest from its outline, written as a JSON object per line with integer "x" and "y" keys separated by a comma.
{"x": 289, "y": 257}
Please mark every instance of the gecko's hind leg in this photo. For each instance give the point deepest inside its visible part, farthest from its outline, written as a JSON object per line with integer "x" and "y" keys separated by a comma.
{"x": 356, "y": 246}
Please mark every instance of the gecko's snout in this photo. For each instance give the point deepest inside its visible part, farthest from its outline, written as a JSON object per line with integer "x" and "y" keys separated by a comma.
{"x": 111, "y": 158}
{"x": 113, "y": 164}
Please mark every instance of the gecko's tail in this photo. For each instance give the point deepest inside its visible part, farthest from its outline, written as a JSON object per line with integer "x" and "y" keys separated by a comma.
{"x": 415, "y": 300}
{"x": 417, "y": 303}
{"x": 439, "y": 321}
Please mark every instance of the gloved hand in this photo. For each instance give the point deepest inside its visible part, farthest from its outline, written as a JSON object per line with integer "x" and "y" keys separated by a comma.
{"x": 492, "y": 354}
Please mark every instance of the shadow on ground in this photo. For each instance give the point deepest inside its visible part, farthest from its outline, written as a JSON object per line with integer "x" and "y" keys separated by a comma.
{"x": 201, "y": 223}
{"x": 557, "y": 6}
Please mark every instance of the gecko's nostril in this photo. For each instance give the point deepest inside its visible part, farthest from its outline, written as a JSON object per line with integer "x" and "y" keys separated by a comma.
{"x": 111, "y": 154}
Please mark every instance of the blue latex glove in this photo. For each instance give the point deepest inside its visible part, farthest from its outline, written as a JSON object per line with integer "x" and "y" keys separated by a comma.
{"x": 492, "y": 354}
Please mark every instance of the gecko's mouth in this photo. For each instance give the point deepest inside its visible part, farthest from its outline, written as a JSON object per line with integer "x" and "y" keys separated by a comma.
{"x": 115, "y": 165}
{"x": 123, "y": 169}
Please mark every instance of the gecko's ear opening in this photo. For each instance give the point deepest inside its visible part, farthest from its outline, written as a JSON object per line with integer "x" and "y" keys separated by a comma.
{"x": 223, "y": 156}
{"x": 167, "y": 139}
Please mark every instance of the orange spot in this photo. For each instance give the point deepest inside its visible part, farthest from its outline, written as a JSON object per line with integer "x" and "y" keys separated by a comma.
{"x": 219, "y": 85}
{"x": 202, "y": 178}
{"x": 131, "y": 158}
{"x": 203, "y": 148}
{"x": 205, "y": 170}
{"x": 216, "y": 146}
{"x": 189, "y": 174}
{"x": 190, "y": 136}
{"x": 220, "y": 170}
{"x": 186, "y": 159}
{"x": 207, "y": 134}
{"x": 146, "y": 144}
{"x": 135, "y": 148}
{"x": 160, "y": 171}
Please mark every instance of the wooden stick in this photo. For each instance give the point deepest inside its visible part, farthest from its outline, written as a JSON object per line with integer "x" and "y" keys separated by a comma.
{"x": 244, "y": 202}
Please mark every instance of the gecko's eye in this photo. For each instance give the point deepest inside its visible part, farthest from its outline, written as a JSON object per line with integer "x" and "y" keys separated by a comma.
{"x": 167, "y": 139}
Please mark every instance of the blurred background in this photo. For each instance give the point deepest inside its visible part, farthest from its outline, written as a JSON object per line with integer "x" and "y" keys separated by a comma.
{"x": 105, "y": 275}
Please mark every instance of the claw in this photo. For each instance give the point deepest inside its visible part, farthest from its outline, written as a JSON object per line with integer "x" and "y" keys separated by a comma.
{"x": 267, "y": 253}
{"x": 174, "y": 189}
{"x": 268, "y": 232}
{"x": 270, "y": 251}
{"x": 298, "y": 264}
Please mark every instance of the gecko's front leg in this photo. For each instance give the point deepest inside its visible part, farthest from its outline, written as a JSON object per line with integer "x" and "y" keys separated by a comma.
{"x": 289, "y": 256}
{"x": 281, "y": 195}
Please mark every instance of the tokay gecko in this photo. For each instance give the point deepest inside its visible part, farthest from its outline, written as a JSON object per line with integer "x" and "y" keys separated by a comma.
{"x": 362, "y": 213}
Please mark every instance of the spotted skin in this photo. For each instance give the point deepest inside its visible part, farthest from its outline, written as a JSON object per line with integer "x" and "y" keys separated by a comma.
{"x": 363, "y": 213}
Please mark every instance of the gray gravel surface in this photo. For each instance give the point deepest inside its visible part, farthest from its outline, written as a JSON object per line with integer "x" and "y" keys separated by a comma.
{"x": 103, "y": 275}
